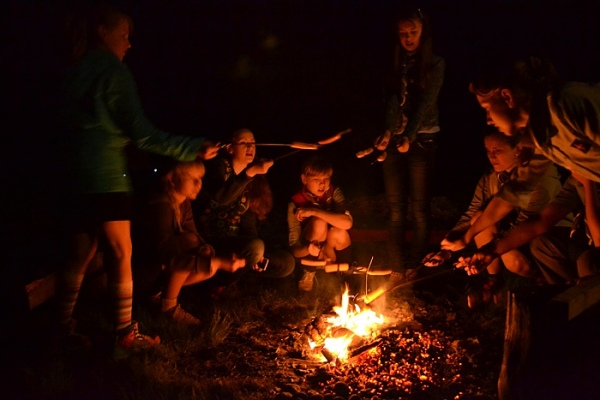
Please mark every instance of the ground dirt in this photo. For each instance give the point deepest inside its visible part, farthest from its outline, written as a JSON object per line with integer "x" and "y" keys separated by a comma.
{"x": 253, "y": 344}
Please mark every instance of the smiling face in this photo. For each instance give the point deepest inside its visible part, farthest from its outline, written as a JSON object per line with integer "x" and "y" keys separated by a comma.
{"x": 317, "y": 184}
{"x": 243, "y": 147}
{"x": 501, "y": 155}
{"x": 116, "y": 39}
{"x": 409, "y": 34}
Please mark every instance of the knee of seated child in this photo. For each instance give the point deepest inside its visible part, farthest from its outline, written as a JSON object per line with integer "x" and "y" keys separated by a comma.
{"x": 314, "y": 233}
{"x": 338, "y": 237}
{"x": 516, "y": 262}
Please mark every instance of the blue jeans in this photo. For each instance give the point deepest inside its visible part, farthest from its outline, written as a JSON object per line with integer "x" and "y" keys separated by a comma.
{"x": 408, "y": 177}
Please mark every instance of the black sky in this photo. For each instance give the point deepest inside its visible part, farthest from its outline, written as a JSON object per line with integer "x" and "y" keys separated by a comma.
{"x": 292, "y": 71}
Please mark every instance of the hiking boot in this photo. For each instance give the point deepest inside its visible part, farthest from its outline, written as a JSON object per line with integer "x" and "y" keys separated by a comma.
{"x": 130, "y": 341}
{"x": 306, "y": 281}
{"x": 181, "y": 316}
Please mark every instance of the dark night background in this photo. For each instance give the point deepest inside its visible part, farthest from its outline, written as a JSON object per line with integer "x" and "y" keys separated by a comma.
{"x": 288, "y": 70}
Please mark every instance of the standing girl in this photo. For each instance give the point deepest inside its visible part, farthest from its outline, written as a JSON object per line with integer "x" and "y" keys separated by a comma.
{"x": 102, "y": 115}
{"x": 409, "y": 139}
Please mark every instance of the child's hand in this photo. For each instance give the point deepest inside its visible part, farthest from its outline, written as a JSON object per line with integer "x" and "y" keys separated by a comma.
{"x": 303, "y": 213}
{"x": 404, "y": 145}
{"x": 314, "y": 249}
{"x": 260, "y": 167}
{"x": 453, "y": 245}
{"x": 475, "y": 264}
{"x": 382, "y": 141}
{"x": 208, "y": 150}
{"x": 236, "y": 263}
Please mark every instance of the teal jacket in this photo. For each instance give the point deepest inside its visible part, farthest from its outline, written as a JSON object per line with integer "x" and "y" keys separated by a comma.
{"x": 103, "y": 114}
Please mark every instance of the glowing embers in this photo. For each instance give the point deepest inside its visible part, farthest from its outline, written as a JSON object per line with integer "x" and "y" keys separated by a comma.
{"x": 333, "y": 337}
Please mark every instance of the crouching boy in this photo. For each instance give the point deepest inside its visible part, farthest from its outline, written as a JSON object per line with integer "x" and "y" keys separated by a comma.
{"x": 318, "y": 220}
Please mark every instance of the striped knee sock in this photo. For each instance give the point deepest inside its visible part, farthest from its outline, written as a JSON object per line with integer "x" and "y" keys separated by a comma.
{"x": 69, "y": 286}
{"x": 123, "y": 298}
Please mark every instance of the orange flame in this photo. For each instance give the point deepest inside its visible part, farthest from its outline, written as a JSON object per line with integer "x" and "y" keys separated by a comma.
{"x": 356, "y": 322}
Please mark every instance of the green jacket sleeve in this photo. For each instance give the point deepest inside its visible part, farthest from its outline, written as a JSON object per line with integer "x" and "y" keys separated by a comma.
{"x": 125, "y": 106}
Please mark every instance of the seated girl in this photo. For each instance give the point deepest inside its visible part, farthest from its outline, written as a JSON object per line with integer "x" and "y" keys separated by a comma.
{"x": 235, "y": 200}
{"x": 520, "y": 184}
{"x": 175, "y": 254}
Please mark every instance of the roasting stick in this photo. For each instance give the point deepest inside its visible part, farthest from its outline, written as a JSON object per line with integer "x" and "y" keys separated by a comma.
{"x": 367, "y": 276}
{"x": 286, "y": 154}
{"x": 440, "y": 257}
{"x": 293, "y": 145}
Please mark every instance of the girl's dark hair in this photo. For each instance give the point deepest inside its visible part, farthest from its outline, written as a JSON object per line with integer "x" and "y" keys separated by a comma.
{"x": 512, "y": 141}
{"x": 424, "y": 54}
{"x": 82, "y": 26}
{"x": 258, "y": 191}
{"x": 260, "y": 196}
{"x": 526, "y": 78}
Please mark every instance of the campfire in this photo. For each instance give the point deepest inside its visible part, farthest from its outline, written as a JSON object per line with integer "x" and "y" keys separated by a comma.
{"x": 349, "y": 326}
{"x": 353, "y": 350}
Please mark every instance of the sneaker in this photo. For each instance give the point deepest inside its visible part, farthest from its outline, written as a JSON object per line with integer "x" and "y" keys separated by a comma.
{"x": 181, "y": 316}
{"x": 306, "y": 282}
{"x": 130, "y": 340}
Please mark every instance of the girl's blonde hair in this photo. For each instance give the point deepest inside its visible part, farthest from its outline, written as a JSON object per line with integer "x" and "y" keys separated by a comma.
{"x": 175, "y": 175}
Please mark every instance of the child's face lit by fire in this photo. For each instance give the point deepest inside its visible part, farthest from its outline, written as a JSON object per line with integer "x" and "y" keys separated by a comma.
{"x": 116, "y": 39}
{"x": 409, "y": 34}
{"x": 243, "y": 148}
{"x": 189, "y": 183}
{"x": 317, "y": 184}
{"x": 502, "y": 112}
{"x": 501, "y": 155}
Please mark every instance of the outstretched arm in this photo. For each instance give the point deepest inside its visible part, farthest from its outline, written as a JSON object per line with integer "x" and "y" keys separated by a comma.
{"x": 494, "y": 212}
{"x": 516, "y": 237}
{"x": 338, "y": 220}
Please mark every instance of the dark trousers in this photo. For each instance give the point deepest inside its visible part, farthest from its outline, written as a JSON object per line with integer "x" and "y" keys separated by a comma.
{"x": 407, "y": 179}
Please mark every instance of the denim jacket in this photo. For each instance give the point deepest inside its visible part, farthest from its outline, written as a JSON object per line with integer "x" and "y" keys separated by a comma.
{"x": 420, "y": 107}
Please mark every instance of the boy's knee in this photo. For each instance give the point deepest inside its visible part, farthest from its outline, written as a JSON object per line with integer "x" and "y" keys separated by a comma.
{"x": 339, "y": 237}
{"x": 317, "y": 230}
